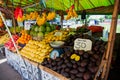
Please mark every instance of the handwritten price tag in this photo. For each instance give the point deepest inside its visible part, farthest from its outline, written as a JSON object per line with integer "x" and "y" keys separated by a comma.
{"x": 27, "y": 25}
{"x": 82, "y": 44}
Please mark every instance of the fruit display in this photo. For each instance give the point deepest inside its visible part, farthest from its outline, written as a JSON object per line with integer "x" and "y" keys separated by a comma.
{"x": 31, "y": 16}
{"x": 78, "y": 64}
{"x": 82, "y": 30}
{"x": 36, "y": 50}
{"x": 56, "y": 35}
{"x": 4, "y": 38}
{"x": 18, "y": 29}
{"x": 39, "y": 31}
{"x": 9, "y": 44}
{"x": 71, "y": 13}
{"x": 24, "y": 38}
{"x": 96, "y": 28}
{"x": 51, "y": 15}
{"x": 97, "y": 31}
{"x": 41, "y": 19}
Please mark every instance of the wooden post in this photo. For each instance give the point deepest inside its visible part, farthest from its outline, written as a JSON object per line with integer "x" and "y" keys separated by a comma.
{"x": 13, "y": 19}
{"x": 12, "y": 14}
{"x": 111, "y": 37}
{"x": 14, "y": 23}
{"x": 62, "y": 18}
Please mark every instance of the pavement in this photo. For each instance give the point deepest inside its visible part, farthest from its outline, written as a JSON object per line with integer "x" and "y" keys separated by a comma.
{"x": 6, "y": 71}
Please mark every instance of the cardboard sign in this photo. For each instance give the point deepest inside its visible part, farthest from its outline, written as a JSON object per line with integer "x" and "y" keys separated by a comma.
{"x": 27, "y": 24}
{"x": 82, "y": 44}
{"x": 9, "y": 22}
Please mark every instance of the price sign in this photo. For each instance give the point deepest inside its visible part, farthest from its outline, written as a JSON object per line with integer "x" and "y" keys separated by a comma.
{"x": 82, "y": 44}
{"x": 28, "y": 23}
{"x": 9, "y": 22}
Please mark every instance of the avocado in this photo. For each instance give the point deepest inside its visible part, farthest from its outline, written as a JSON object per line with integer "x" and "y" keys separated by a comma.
{"x": 87, "y": 76}
{"x": 74, "y": 71}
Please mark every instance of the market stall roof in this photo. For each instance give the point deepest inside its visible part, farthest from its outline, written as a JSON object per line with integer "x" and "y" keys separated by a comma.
{"x": 91, "y": 6}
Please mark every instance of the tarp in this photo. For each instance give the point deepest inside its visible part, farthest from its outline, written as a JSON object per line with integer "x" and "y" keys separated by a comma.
{"x": 88, "y": 5}
{"x": 79, "y": 4}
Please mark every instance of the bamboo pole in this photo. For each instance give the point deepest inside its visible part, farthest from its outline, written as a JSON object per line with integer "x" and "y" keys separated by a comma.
{"x": 112, "y": 37}
{"x": 100, "y": 67}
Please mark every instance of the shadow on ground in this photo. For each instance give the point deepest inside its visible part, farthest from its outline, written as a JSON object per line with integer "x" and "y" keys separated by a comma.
{"x": 6, "y": 71}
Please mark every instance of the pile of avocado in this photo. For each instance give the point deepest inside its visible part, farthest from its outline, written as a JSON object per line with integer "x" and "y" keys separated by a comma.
{"x": 83, "y": 69}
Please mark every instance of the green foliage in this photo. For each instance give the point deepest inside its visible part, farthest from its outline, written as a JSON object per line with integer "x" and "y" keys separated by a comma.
{"x": 118, "y": 16}
{"x": 110, "y": 16}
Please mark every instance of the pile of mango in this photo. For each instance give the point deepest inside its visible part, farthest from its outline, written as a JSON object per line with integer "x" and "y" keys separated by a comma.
{"x": 36, "y": 51}
{"x": 4, "y": 38}
{"x": 56, "y": 35}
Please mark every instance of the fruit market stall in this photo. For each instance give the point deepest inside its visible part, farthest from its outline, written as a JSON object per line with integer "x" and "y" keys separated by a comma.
{"x": 66, "y": 58}
{"x": 39, "y": 50}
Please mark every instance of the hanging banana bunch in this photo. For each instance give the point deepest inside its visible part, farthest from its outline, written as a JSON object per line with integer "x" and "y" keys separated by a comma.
{"x": 32, "y": 16}
{"x": 75, "y": 14}
{"x": 51, "y": 15}
{"x": 27, "y": 17}
{"x": 41, "y": 19}
{"x": 71, "y": 13}
{"x": 21, "y": 19}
